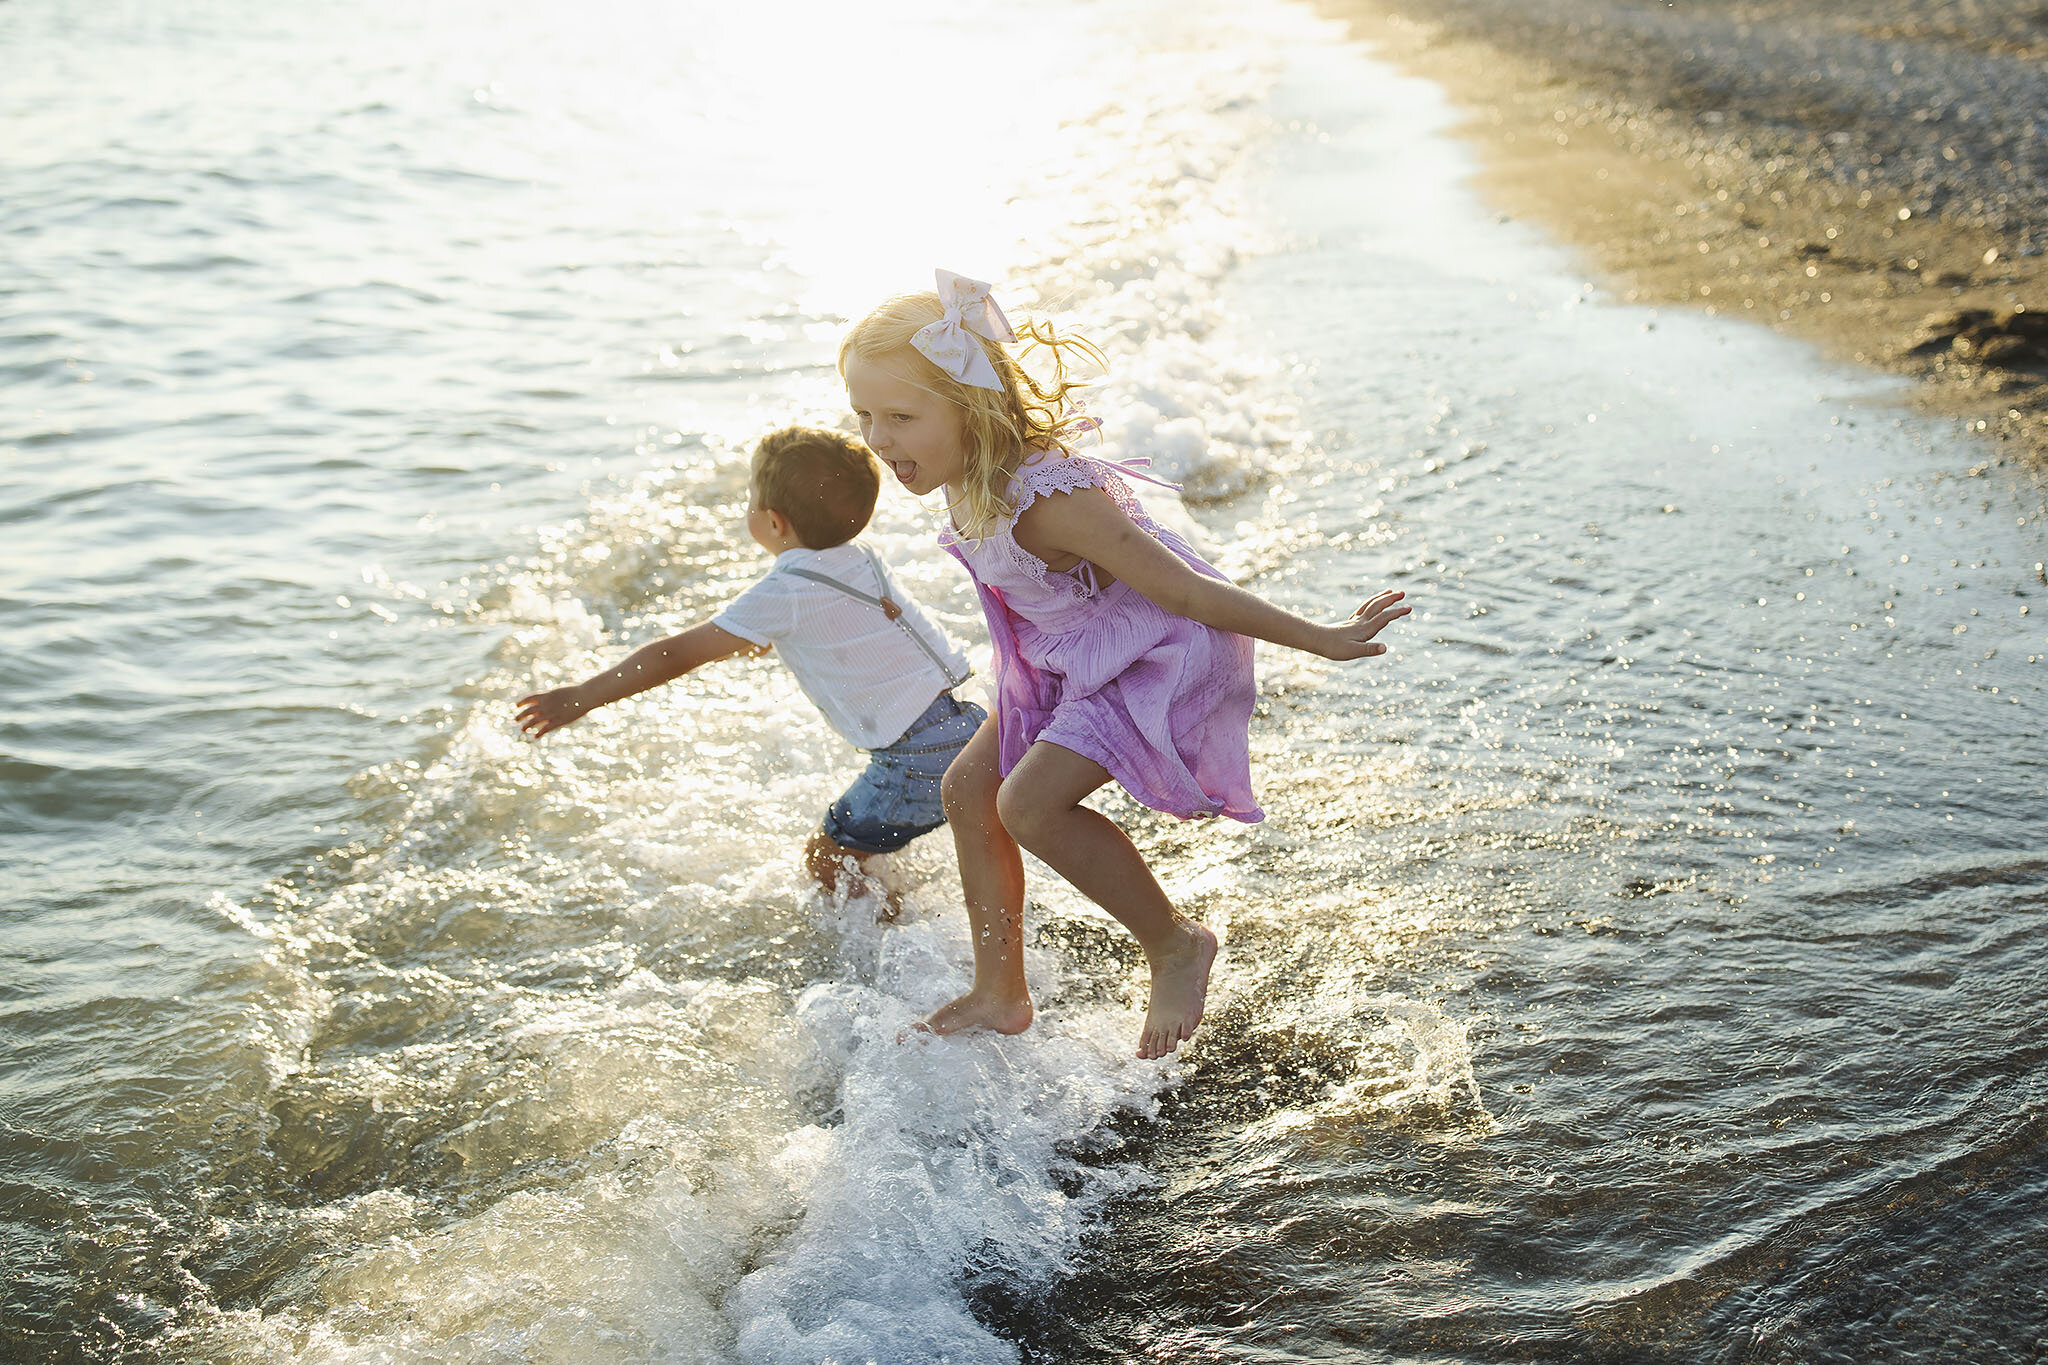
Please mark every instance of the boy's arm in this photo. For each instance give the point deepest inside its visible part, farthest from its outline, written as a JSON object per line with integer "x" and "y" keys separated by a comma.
{"x": 1088, "y": 523}
{"x": 648, "y": 666}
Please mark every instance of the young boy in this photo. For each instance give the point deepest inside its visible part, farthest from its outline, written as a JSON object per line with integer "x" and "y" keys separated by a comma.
{"x": 863, "y": 649}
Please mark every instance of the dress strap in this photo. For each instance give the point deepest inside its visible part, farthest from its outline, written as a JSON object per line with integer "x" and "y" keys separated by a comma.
{"x": 1063, "y": 481}
{"x": 1131, "y": 469}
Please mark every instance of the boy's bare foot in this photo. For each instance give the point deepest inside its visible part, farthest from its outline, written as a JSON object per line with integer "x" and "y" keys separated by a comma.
{"x": 1180, "y": 986}
{"x": 847, "y": 873}
{"x": 979, "y": 1010}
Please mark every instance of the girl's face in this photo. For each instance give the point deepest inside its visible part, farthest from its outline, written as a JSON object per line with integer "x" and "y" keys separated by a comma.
{"x": 916, "y": 433}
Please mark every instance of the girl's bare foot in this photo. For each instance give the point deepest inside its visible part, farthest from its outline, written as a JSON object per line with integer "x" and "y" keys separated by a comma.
{"x": 1180, "y": 986}
{"x": 997, "y": 1012}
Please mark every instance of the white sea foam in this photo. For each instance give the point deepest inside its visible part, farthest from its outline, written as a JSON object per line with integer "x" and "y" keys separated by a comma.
{"x": 704, "y": 1218}
{"x": 947, "y": 1157}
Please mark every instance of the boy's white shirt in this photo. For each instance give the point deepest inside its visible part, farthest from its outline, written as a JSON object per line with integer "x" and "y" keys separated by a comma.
{"x": 855, "y": 664}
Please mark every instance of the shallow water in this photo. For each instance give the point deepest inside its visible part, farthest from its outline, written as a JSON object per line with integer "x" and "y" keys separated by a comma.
{"x": 1655, "y": 974}
{"x": 1638, "y": 964}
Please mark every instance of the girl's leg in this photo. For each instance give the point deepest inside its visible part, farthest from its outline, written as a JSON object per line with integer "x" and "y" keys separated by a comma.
{"x": 1040, "y": 805}
{"x": 992, "y": 875}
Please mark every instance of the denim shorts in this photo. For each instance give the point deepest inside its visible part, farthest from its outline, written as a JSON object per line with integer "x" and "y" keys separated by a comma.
{"x": 897, "y": 797}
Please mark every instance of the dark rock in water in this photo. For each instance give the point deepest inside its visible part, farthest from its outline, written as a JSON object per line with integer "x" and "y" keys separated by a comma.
{"x": 2007, "y": 339}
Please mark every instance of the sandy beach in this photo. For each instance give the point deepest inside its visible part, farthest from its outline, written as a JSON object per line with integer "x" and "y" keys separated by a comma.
{"x": 1872, "y": 180}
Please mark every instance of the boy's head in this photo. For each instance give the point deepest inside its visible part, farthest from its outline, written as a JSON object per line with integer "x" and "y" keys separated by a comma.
{"x": 824, "y": 484}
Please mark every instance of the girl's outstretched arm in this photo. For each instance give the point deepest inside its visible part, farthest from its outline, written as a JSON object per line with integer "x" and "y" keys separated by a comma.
{"x": 1088, "y": 524}
{"x": 648, "y": 666}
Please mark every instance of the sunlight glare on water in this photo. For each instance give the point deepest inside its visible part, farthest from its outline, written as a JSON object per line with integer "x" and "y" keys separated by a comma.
{"x": 857, "y": 142}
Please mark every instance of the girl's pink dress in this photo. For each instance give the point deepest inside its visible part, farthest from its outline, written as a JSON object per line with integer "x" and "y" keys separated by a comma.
{"x": 1163, "y": 702}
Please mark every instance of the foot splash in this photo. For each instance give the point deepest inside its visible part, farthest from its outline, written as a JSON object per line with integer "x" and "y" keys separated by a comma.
{"x": 980, "y": 1010}
{"x": 1180, "y": 987}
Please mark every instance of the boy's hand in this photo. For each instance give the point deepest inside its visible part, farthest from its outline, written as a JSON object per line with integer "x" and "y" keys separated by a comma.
{"x": 1352, "y": 639}
{"x": 648, "y": 666}
{"x": 545, "y": 711}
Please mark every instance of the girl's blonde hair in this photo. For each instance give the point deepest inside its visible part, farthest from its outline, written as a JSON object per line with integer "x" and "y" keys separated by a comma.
{"x": 999, "y": 428}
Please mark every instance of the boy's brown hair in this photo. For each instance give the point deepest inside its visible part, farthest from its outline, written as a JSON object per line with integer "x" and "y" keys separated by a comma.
{"x": 824, "y": 482}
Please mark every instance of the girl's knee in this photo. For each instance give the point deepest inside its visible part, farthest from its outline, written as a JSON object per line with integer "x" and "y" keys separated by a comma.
{"x": 967, "y": 792}
{"x": 1022, "y": 813}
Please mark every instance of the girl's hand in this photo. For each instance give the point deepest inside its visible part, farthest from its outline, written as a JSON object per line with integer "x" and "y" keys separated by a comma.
{"x": 1352, "y": 638}
{"x": 545, "y": 711}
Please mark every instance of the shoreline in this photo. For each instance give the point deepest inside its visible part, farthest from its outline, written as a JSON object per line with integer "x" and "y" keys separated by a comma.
{"x": 1723, "y": 209}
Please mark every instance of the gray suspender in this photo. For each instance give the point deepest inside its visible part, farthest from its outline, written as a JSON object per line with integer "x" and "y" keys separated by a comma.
{"x": 888, "y": 608}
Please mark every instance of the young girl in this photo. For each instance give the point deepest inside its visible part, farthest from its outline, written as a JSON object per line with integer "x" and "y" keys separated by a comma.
{"x": 1119, "y": 653}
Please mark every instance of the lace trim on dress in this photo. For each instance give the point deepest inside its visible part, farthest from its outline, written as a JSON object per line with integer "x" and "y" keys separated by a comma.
{"x": 1045, "y": 474}
{"x": 1065, "y": 473}
{"x": 1002, "y": 533}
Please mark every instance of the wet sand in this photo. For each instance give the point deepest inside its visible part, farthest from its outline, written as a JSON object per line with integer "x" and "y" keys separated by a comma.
{"x": 1873, "y": 180}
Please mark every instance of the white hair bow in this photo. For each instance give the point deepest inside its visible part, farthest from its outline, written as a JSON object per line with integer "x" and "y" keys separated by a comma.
{"x": 949, "y": 343}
